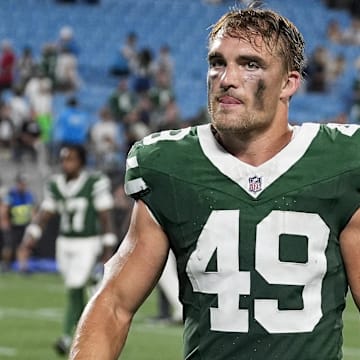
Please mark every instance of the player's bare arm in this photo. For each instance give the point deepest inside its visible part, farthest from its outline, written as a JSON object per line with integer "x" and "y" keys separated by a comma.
{"x": 139, "y": 260}
{"x": 350, "y": 247}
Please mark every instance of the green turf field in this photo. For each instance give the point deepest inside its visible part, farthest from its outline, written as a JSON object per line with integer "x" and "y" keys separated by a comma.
{"x": 31, "y": 316}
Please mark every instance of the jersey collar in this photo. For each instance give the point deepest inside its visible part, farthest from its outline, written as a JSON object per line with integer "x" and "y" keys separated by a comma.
{"x": 255, "y": 179}
{"x": 71, "y": 188}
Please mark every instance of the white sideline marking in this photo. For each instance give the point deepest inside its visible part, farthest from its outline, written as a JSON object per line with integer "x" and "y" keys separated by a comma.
{"x": 351, "y": 317}
{"x": 52, "y": 314}
{"x": 6, "y": 351}
{"x": 351, "y": 352}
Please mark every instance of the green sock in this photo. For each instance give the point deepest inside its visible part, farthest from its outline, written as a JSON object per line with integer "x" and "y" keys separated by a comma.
{"x": 74, "y": 308}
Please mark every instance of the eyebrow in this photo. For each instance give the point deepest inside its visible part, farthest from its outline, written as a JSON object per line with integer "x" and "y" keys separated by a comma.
{"x": 214, "y": 55}
{"x": 241, "y": 58}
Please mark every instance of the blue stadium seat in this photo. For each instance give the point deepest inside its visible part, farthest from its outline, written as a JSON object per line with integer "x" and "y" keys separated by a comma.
{"x": 183, "y": 24}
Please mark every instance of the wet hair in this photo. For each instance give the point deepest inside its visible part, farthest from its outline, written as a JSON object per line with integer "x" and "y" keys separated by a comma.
{"x": 276, "y": 31}
{"x": 79, "y": 149}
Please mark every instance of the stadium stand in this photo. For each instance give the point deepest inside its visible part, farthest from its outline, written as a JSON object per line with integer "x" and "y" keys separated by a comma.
{"x": 101, "y": 28}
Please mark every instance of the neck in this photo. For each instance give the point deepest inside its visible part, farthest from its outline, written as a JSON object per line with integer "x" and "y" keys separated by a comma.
{"x": 70, "y": 177}
{"x": 255, "y": 149}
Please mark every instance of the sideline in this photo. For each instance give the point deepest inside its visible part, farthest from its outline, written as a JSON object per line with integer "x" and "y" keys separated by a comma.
{"x": 353, "y": 352}
{"x": 51, "y": 314}
{"x": 7, "y": 351}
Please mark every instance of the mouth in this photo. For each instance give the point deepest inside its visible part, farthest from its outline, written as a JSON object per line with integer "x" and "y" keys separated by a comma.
{"x": 229, "y": 100}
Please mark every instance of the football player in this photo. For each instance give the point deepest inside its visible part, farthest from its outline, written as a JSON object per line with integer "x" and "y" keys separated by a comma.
{"x": 84, "y": 202}
{"x": 263, "y": 217}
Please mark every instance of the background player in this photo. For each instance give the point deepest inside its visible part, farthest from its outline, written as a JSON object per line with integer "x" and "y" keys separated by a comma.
{"x": 84, "y": 202}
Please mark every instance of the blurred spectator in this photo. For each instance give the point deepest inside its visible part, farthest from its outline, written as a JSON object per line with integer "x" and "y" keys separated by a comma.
{"x": 144, "y": 71}
{"x": 135, "y": 129}
{"x": 334, "y": 32}
{"x": 351, "y": 35}
{"x": 106, "y": 141}
{"x": 355, "y": 8}
{"x": 338, "y": 4}
{"x": 72, "y": 125}
{"x": 337, "y": 67}
{"x": 48, "y": 60}
{"x": 19, "y": 108}
{"x": 164, "y": 63}
{"x": 25, "y": 66}
{"x": 30, "y": 145}
{"x": 317, "y": 70}
{"x": 67, "y": 41}
{"x": 145, "y": 109}
{"x": 161, "y": 93}
{"x": 7, "y": 65}
{"x": 171, "y": 118}
{"x": 7, "y": 130}
{"x": 122, "y": 100}
{"x": 15, "y": 214}
{"x": 39, "y": 91}
{"x": 126, "y": 56}
{"x": 27, "y": 139}
{"x": 67, "y": 77}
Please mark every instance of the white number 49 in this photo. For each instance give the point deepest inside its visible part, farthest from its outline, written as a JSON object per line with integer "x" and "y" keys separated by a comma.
{"x": 221, "y": 234}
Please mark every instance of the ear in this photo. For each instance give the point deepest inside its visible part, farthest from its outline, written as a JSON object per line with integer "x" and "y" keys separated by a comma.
{"x": 290, "y": 85}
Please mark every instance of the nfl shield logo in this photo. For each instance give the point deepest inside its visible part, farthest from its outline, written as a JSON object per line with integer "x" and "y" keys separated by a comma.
{"x": 255, "y": 184}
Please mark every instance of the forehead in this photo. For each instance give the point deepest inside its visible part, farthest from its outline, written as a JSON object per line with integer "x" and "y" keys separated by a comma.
{"x": 66, "y": 153}
{"x": 227, "y": 45}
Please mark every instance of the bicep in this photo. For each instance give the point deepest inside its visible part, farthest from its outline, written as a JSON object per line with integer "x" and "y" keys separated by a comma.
{"x": 131, "y": 274}
{"x": 350, "y": 249}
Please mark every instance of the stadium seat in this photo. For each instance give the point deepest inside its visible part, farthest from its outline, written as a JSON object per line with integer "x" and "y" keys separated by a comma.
{"x": 183, "y": 24}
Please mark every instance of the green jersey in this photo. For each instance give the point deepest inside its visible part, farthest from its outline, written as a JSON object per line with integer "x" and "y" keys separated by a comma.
{"x": 77, "y": 202}
{"x": 260, "y": 270}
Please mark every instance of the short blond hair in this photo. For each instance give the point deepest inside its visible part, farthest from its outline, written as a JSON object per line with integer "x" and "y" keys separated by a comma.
{"x": 276, "y": 31}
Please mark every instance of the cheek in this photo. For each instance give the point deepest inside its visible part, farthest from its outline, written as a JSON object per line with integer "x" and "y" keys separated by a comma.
{"x": 213, "y": 78}
{"x": 260, "y": 89}
{"x": 251, "y": 78}
{"x": 212, "y": 73}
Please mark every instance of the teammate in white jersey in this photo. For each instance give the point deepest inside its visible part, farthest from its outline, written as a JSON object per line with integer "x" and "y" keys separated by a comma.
{"x": 84, "y": 202}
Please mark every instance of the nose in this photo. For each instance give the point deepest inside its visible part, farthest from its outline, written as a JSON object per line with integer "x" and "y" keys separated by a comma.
{"x": 230, "y": 77}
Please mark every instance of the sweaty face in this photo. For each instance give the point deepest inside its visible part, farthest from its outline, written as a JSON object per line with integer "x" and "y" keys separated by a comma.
{"x": 244, "y": 85}
{"x": 70, "y": 163}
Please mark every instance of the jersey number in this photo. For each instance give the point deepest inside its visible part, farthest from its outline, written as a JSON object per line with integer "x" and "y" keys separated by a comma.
{"x": 221, "y": 233}
{"x": 73, "y": 212}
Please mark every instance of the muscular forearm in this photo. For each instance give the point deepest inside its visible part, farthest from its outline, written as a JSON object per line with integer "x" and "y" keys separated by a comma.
{"x": 102, "y": 332}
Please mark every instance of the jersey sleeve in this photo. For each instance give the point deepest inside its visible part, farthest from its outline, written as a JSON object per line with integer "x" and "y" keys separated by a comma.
{"x": 135, "y": 183}
{"x": 103, "y": 199}
{"x": 49, "y": 201}
{"x": 156, "y": 170}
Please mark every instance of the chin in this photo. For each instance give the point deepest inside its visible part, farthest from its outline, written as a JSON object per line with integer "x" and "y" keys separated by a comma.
{"x": 230, "y": 124}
